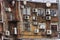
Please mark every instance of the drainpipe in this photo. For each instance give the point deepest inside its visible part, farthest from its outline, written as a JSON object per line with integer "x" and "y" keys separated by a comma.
{"x": 20, "y": 19}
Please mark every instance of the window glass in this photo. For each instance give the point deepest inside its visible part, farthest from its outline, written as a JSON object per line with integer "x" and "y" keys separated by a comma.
{"x": 26, "y": 11}
{"x": 27, "y": 26}
{"x": 40, "y": 12}
{"x": 53, "y": 12}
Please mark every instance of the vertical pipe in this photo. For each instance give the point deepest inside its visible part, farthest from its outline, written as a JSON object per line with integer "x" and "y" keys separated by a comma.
{"x": 20, "y": 15}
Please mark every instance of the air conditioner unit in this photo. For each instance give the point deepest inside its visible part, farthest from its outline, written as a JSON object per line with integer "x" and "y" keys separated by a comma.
{"x": 55, "y": 14}
{"x": 35, "y": 10}
{"x": 15, "y": 30}
{"x": 34, "y": 18}
{"x": 25, "y": 2}
{"x": 22, "y": 6}
{"x": 8, "y": 9}
{"x": 7, "y": 33}
{"x": 48, "y": 17}
{"x": 47, "y": 11}
{"x": 49, "y": 32}
{"x": 42, "y": 26}
{"x": 36, "y": 31}
{"x": 35, "y": 23}
{"x": 26, "y": 17}
{"x": 13, "y": 2}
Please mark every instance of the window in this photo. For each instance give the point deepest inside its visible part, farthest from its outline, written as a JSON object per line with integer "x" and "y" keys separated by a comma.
{"x": 40, "y": 12}
{"x": 11, "y": 27}
{"x": 26, "y": 11}
{"x": 53, "y": 12}
{"x": 27, "y": 26}
{"x": 54, "y": 27}
{"x": 11, "y": 16}
{"x": 42, "y": 27}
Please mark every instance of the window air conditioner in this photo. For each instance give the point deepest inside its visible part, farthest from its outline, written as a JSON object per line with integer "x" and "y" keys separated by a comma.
{"x": 26, "y": 17}
{"x": 55, "y": 14}
{"x": 48, "y": 12}
{"x": 7, "y": 33}
{"x": 8, "y": 9}
{"x": 13, "y": 2}
{"x": 35, "y": 10}
{"x": 36, "y": 31}
{"x": 25, "y": 2}
{"x": 49, "y": 32}
{"x": 48, "y": 17}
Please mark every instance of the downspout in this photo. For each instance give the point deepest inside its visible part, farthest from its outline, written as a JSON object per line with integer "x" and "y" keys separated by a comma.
{"x": 21, "y": 18}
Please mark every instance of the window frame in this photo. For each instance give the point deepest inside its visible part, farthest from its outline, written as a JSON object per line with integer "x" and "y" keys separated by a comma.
{"x": 25, "y": 11}
{"x": 29, "y": 28}
{"x": 55, "y": 12}
{"x": 54, "y": 24}
{"x": 41, "y": 10}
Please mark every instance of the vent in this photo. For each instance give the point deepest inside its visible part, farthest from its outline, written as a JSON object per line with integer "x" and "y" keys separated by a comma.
{"x": 36, "y": 31}
{"x": 49, "y": 32}
{"x": 48, "y": 17}
{"x": 13, "y": 3}
{"x": 35, "y": 10}
{"x": 55, "y": 14}
{"x": 25, "y": 2}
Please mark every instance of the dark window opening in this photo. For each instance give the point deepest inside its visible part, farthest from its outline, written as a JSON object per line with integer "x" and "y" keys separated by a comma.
{"x": 54, "y": 28}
